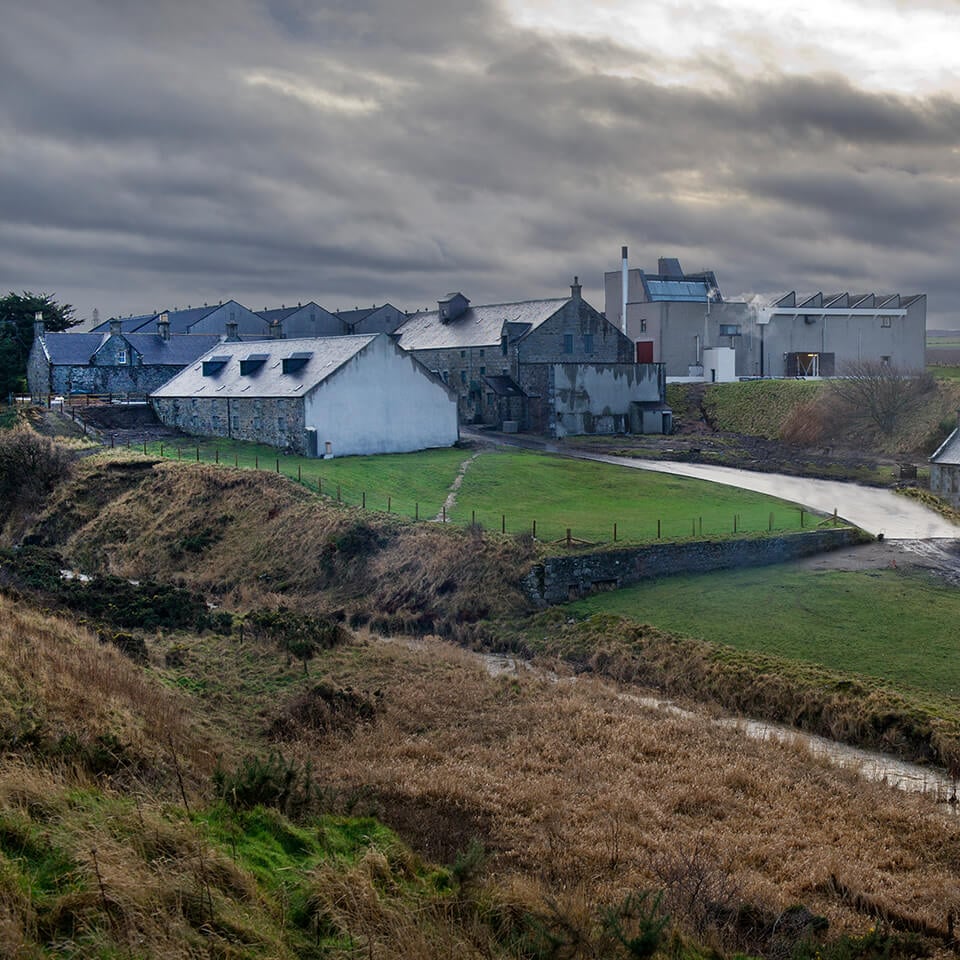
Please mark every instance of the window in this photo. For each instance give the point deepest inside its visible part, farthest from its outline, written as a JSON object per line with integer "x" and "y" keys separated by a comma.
{"x": 568, "y": 343}
{"x": 886, "y": 321}
{"x": 281, "y": 424}
{"x": 481, "y": 351}
{"x": 463, "y": 376}
{"x": 489, "y": 399}
{"x": 643, "y": 325}
{"x": 729, "y": 329}
{"x": 588, "y": 343}
{"x": 885, "y": 361}
{"x": 121, "y": 356}
{"x": 236, "y": 422}
{"x": 446, "y": 376}
{"x": 463, "y": 353}
{"x": 483, "y": 370}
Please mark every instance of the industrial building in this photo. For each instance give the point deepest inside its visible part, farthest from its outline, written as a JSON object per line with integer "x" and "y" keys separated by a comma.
{"x": 683, "y": 321}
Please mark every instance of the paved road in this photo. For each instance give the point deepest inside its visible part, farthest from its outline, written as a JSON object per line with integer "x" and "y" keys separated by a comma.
{"x": 870, "y": 508}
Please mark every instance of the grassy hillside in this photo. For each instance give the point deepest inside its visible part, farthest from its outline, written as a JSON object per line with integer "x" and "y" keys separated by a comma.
{"x": 554, "y": 807}
{"x": 758, "y": 407}
{"x": 898, "y": 629}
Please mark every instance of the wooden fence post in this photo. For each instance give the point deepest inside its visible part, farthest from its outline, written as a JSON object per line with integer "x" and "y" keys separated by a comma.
{"x": 534, "y": 533}
{"x": 216, "y": 454}
{"x": 389, "y": 499}
{"x": 658, "y": 529}
{"x": 503, "y": 523}
{"x": 416, "y": 510}
{"x": 568, "y": 536}
{"x": 614, "y": 531}
{"x": 363, "y": 500}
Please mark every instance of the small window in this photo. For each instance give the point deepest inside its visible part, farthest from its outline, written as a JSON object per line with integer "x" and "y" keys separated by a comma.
{"x": 121, "y": 356}
{"x": 886, "y": 321}
{"x": 483, "y": 370}
{"x": 236, "y": 423}
{"x": 643, "y": 325}
{"x": 729, "y": 329}
{"x": 885, "y": 361}
{"x": 489, "y": 399}
{"x": 463, "y": 376}
{"x": 568, "y": 343}
{"x": 481, "y": 351}
{"x": 463, "y": 353}
{"x": 446, "y": 376}
{"x": 588, "y": 343}
{"x": 281, "y": 424}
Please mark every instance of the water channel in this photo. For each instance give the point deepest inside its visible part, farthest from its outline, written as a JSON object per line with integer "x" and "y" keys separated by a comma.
{"x": 932, "y": 782}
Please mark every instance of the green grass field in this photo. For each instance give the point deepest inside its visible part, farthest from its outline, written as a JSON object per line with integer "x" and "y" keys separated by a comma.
{"x": 944, "y": 373}
{"x": 512, "y": 489}
{"x": 590, "y": 497}
{"x": 899, "y": 629}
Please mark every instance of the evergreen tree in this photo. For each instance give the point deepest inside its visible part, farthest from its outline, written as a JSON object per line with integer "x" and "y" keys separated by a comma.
{"x": 17, "y": 314}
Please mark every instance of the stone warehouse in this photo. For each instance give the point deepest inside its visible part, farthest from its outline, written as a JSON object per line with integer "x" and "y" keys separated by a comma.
{"x": 535, "y": 365}
{"x": 219, "y": 318}
{"x": 111, "y": 362}
{"x": 320, "y": 397}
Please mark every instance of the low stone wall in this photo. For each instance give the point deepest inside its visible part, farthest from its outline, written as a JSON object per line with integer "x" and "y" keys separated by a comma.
{"x": 559, "y": 579}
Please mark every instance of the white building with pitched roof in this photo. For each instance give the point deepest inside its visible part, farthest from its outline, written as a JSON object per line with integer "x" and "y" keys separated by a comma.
{"x": 333, "y": 395}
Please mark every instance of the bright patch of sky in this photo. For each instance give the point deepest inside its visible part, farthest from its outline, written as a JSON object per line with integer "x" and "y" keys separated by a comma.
{"x": 879, "y": 45}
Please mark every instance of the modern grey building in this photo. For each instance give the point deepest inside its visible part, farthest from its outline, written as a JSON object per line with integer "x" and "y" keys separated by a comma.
{"x": 315, "y": 396}
{"x": 683, "y": 321}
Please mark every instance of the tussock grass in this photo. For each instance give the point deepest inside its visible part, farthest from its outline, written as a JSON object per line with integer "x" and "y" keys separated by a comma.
{"x": 266, "y": 540}
{"x": 583, "y": 795}
{"x": 67, "y": 698}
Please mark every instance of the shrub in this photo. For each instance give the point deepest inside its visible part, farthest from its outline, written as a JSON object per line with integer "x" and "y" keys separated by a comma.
{"x": 267, "y": 782}
{"x": 30, "y": 467}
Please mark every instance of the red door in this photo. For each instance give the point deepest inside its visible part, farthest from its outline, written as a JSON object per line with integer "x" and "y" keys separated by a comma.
{"x": 644, "y": 351}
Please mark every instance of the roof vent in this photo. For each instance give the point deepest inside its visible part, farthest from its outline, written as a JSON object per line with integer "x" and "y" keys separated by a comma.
{"x": 252, "y": 363}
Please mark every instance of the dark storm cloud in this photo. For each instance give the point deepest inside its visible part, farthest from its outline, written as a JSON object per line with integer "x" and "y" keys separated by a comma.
{"x": 369, "y": 150}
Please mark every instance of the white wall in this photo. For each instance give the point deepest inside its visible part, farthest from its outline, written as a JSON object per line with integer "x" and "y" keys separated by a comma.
{"x": 382, "y": 401}
{"x": 719, "y": 364}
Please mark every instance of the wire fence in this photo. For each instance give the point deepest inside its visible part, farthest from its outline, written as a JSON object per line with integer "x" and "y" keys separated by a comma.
{"x": 549, "y": 529}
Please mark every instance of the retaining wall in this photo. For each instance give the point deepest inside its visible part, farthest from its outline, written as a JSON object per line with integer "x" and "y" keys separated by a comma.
{"x": 559, "y": 579}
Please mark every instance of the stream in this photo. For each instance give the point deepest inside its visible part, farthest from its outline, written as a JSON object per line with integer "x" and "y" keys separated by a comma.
{"x": 932, "y": 782}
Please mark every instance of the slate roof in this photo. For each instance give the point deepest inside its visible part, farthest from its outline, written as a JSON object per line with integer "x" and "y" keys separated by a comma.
{"x": 949, "y": 451}
{"x": 327, "y": 354}
{"x": 504, "y": 386}
{"x": 278, "y": 313}
{"x": 475, "y": 327}
{"x": 76, "y": 349}
{"x": 71, "y": 349}
{"x": 180, "y": 320}
{"x": 178, "y": 351}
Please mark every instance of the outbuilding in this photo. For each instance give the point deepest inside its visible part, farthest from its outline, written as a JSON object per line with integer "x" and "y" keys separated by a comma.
{"x": 330, "y": 396}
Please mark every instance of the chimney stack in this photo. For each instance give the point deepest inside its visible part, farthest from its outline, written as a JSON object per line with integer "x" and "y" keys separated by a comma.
{"x": 575, "y": 289}
{"x": 38, "y": 327}
{"x": 623, "y": 292}
{"x": 276, "y": 330}
{"x": 163, "y": 326}
{"x": 116, "y": 328}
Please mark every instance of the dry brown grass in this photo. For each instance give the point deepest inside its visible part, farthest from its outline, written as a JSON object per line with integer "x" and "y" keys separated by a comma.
{"x": 65, "y": 696}
{"x": 271, "y": 539}
{"x": 582, "y": 793}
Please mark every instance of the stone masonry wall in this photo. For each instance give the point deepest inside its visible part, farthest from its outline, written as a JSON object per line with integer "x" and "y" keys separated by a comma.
{"x": 275, "y": 421}
{"x": 559, "y": 579}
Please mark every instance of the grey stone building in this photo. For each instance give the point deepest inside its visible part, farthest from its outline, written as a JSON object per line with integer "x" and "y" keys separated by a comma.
{"x": 682, "y": 320}
{"x": 303, "y": 320}
{"x": 945, "y": 469}
{"x": 208, "y": 319}
{"x": 508, "y": 362}
{"x": 383, "y": 319}
{"x": 316, "y": 396}
{"x": 112, "y": 362}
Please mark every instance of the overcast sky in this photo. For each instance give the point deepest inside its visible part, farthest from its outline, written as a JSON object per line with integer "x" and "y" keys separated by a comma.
{"x": 354, "y": 151}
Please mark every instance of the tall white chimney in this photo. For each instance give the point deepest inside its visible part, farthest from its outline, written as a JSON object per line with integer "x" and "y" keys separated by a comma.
{"x": 623, "y": 296}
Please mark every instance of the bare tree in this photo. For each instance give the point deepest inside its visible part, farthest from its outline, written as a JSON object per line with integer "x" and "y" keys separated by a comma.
{"x": 879, "y": 396}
